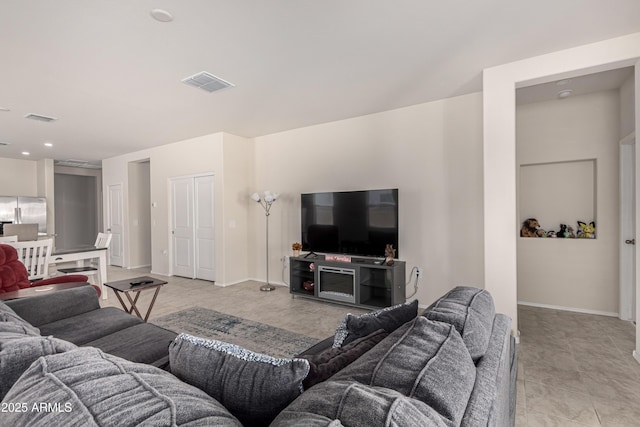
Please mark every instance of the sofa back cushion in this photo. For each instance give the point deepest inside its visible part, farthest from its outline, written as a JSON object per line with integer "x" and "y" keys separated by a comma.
{"x": 327, "y": 363}
{"x": 424, "y": 360}
{"x": 19, "y": 351}
{"x": 11, "y": 322}
{"x": 88, "y": 387}
{"x": 471, "y": 311}
{"x": 349, "y": 403}
{"x": 252, "y": 386}
{"x": 54, "y": 306}
{"x": 389, "y": 319}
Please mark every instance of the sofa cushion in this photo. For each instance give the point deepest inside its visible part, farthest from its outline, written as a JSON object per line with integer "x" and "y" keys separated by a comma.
{"x": 15, "y": 322}
{"x": 424, "y": 360}
{"x": 90, "y": 326}
{"x": 354, "y": 404}
{"x": 88, "y": 387}
{"x": 495, "y": 383}
{"x": 143, "y": 343}
{"x": 471, "y": 311}
{"x": 53, "y": 306}
{"x": 353, "y": 327}
{"x": 252, "y": 386}
{"x": 18, "y": 351}
{"x": 332, "y": 360}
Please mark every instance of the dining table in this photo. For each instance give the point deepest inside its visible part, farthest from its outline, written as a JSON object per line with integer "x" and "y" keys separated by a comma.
{"x": 82, "y": 256}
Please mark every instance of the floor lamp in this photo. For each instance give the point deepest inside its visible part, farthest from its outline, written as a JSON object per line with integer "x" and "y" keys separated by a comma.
{"x": 266, "y": 203}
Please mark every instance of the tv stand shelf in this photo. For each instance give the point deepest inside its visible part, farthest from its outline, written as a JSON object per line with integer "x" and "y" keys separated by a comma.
{"x": 363, "y": 282}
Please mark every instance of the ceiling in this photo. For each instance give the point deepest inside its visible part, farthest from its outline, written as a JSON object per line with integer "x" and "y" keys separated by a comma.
{"x": 111, "y": 74}
{"x": 596, "y": 82}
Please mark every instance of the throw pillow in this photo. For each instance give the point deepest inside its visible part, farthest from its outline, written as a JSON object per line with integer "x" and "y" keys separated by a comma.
{"x": 424, "y": 360}
{"x": 471, "y": 311}
{"x": 252, "y": 386}
{"x": 19, "y": 351}
{"x": 353, "y": 327}
{"x": 354, "y": 404}
{"x": 86, "y": 386}
{"x": 10, "y": 316}
{"x": 332, "y": 360}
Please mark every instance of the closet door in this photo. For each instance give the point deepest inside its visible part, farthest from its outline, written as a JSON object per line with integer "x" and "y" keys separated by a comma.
{"x": 192, "y": 231}
{"x": 204, "y": 228}
{"x": 182, "y": 230}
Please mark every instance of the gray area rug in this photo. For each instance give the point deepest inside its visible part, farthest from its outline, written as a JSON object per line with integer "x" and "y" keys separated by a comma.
{"x": 254, "y": 336}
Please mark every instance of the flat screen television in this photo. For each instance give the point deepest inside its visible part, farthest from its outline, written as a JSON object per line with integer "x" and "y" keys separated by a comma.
{"x": 350, "y": 222}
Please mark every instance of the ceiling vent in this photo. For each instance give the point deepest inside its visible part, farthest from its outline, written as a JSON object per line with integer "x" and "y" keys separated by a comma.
{"x": 40, "y": 117}
{"x": 207, "y": 81}
{"x": 73, "y": 163}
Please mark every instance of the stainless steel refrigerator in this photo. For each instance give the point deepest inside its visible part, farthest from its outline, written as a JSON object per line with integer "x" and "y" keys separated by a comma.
{"x": 24, "y": 210}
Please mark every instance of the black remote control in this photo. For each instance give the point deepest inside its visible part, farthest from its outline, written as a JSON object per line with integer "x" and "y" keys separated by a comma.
{"x": 142, "y": 282}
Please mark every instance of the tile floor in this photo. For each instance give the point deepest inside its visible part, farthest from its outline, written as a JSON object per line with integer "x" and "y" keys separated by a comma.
{"x": 574, "y": 369}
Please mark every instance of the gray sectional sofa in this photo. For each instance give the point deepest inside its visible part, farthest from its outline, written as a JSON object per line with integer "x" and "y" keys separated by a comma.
{"x": 65, "y": 361}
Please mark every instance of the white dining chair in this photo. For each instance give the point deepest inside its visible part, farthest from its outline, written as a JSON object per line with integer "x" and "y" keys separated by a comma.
{"x": 36, "y": 256}
{"x": 103, "y": 240}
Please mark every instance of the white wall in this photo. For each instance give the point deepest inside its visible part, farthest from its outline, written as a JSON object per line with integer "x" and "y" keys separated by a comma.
{"x": 571, "y": 273}
{"x": 238, "y": 183}
{"x": 18, "y": 177}
{"x": 499, "y": 85}
{"x": 201, "y": 155}
{"x": 627, "y": 107}
{"x": 139, "y": 213}
{"x": 431, "y": 152}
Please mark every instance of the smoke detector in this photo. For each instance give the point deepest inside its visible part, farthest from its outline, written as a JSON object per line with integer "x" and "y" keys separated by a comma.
{"x": 207, "y": 81}
{"x": 565, "y": 93}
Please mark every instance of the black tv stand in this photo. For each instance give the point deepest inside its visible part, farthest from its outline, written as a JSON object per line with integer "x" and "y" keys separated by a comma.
{"x": 376, "y": 285}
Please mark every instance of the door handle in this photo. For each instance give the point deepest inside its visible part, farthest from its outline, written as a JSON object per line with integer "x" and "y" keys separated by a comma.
{"x": 630, "y": 242}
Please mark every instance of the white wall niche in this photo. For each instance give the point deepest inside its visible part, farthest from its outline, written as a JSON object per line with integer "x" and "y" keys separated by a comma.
{"x": 559, "y": 192}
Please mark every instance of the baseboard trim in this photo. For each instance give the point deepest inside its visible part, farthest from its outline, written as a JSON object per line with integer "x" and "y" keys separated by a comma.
{"x": 138, "y": 266}
{"x": 574, "y": 309}
{"x": 237, "y": 282}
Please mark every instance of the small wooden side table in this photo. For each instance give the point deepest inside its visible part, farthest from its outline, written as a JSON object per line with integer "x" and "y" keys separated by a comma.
{"x": 137, "y": 285}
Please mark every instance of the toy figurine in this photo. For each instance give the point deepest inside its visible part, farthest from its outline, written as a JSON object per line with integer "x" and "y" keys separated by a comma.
{"x": 587, "y": 231}
{"x": 389, "y": 255}
{"x": 563, "y": 233}
{"x": 529, "y": 228}
{"x": 571, "y": 235}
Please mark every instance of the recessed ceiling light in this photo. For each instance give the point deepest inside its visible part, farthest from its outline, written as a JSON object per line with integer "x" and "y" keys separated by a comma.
{"x": 161, "y": 15}
{"x": 48, "y": 144}
{"x": 565, "y": 93}
{"x": 26, "y": 153}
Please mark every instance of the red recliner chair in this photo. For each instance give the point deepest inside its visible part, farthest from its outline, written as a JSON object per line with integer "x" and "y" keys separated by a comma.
{"x": 14, "y": 276}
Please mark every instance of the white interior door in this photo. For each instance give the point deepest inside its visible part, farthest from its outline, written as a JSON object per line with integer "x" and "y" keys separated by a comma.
{"x": 204, "y": 228}
{"x": 115, "y": 226}
{"x": 627, "y": 232}
{"x": 182, "y": 229}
